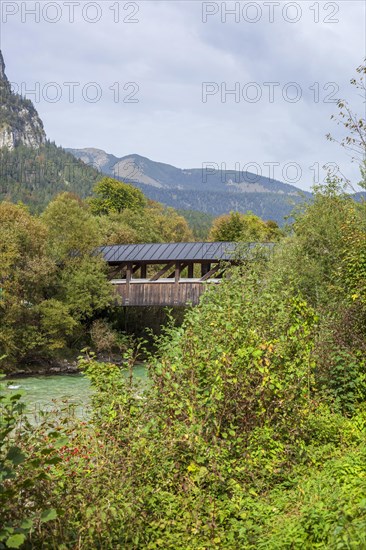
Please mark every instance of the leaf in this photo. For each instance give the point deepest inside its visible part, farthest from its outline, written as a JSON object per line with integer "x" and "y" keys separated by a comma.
{"x": 61, "y": 442}
{"x": 53, "y": 460}
{"x": 46, "y": 451}
{"x": 48, "y": 515}
{"x": 15, "y": 541}
{"x": 26, "y": 524}
{"x": 15, "y": 455}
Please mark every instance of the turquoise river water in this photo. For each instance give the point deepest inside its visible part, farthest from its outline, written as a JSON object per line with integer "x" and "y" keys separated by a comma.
{"x": 47, "y": 393}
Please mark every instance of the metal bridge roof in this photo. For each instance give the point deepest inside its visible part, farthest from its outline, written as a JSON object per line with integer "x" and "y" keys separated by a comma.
{"x": 167, "y": 252}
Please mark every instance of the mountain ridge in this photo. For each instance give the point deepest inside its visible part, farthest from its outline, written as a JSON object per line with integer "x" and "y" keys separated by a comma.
{"x": 109, "y": 163}
{"x": 211, "y": 191}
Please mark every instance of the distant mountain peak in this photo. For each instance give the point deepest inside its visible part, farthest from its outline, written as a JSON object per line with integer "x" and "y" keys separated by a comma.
{"x": 19, "y": 120}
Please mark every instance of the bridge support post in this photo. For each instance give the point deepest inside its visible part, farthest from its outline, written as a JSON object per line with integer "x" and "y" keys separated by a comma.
{"x": 128, "y": 281}
{"x": 176, "y": 282}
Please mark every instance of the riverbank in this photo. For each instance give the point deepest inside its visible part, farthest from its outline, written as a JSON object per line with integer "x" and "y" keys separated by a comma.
{"x": 59, "y": 367}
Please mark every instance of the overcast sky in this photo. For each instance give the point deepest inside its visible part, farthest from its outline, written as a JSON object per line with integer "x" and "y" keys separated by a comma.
{"x": 153, "y": 78}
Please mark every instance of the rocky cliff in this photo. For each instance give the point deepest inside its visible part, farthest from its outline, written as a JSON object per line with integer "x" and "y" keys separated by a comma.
{"x": 19, "y": 120}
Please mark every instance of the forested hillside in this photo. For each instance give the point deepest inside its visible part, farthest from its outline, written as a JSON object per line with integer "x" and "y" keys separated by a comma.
{"x": 33, "y": 170}
{"x": 199, "y": 222}
{"x": 265, "y": 204}
{"x": 36, "y": 176}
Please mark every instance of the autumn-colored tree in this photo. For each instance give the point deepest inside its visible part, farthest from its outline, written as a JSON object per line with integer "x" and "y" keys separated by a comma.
{"x": 51, "y": 286}
{"x": 170, "y": 226}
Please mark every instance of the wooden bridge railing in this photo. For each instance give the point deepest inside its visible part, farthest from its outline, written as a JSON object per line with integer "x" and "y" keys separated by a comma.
{"x": 166, "y": 286}
{"x": 162, "y": 292}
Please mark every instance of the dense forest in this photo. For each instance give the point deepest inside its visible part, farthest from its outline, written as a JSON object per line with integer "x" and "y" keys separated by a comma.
{"x": 250, "y": 430}
{"x": 36, "y": 176}
{"x": 265, "y": 204}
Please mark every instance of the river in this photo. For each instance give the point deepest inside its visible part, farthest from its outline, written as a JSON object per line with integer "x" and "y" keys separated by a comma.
{"x": 47, "y": 393}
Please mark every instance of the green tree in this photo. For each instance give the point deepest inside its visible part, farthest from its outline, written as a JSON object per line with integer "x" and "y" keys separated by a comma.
{"x": 71, "y": 227}
{"x": 154, "y": 223}
{"x": 114, "y": 230}
{"x": 313, "y": 255}
{"x": 324, "y": 260}
{"x": 114, "y": 196}
{"x": 73, "y": 235}
{"x": 243, "y": 227}
{"x": 31, "y": 324}
{"x": 84, "y": 287}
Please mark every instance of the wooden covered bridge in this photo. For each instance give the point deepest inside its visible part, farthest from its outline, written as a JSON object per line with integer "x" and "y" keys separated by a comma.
{"x": 168, "y": 274}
